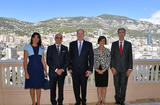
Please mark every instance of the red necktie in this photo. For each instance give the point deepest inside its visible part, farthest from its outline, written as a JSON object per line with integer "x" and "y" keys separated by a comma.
{"x": 121, "y": 49}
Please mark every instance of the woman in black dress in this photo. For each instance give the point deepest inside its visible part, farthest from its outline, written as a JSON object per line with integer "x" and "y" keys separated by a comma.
{"x": 101, "y": 66}
{"x": 35, "y": 69}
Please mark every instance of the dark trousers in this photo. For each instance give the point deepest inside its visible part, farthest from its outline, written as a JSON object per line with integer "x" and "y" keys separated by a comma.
{"x": 80, "y": 85}
{"x": 53, "y": 82}
{"x": 120, "y": 83}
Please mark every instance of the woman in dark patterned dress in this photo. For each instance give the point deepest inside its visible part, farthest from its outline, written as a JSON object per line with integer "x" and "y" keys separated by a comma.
{"x": 35, "y": 69}
{"x": 101, "y": 66}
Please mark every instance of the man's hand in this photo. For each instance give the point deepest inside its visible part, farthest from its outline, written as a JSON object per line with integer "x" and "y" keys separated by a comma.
{"x": 88, "y": 73}
{"x": 45, "y": 73}
{"x": 59, "y": 71}
{"x": 113, "y": 71}
{"x": 128, "y": 72}
{"x": 70, "y": 71}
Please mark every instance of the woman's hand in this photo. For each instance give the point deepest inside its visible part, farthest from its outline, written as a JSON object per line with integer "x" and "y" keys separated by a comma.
{"x": 26, "y": 75}
{"x": 99, "y": 71}
{"x": 104, "y": 70}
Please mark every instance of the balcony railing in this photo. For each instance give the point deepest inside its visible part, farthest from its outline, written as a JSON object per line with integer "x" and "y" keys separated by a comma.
{"x": 147, "y": 71}
{"x": 144, "y": 78}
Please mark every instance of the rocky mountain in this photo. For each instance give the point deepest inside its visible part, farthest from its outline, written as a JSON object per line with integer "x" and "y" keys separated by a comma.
{"x": 106, "y": 22}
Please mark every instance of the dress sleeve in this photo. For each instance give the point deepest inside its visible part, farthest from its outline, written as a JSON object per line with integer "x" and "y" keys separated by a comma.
{"x": 96, "y": 61}
{"x": 43, "y": 49}
{"x": 108, "y": 60}
{"x": 26, "y": 48}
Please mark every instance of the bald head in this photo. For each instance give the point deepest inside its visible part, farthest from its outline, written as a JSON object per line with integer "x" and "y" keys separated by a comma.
{"x": 58, "y": 38}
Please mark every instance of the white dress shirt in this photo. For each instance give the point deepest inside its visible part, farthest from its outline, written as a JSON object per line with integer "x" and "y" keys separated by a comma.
{"x": 120, "y": 43}
{"x": 78, "y": 43}
{"x": 59, "y": 46}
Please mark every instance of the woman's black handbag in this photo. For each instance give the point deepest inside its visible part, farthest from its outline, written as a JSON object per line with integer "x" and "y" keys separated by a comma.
{"x": 46, "y": 84}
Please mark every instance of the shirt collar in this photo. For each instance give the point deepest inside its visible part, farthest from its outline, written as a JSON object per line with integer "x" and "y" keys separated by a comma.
{"x": 121, "y": 41}
{"x": 57, "y": 44}
{"x": 81, "y": 41}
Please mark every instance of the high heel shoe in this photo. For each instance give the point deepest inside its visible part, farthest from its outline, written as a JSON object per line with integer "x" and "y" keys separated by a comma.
{"x": 98, "y": 103}
{"x": 102, "y": 103}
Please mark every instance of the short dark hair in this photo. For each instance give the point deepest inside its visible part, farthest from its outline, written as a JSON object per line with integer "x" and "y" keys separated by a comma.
{"x": 101, "y": 38}
{"x": 80, "y": 30}
{"x": 39, "y": 36}
{"x": 121, "y": 29}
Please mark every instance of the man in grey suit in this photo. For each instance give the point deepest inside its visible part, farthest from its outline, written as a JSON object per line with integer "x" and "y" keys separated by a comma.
{"x": 121, "y": 65}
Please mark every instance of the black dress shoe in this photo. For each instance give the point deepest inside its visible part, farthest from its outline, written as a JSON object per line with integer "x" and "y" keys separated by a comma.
{"x": 122, "y": 103}
{"x": 77, "y": 104}
{"x": 117, "y": 103}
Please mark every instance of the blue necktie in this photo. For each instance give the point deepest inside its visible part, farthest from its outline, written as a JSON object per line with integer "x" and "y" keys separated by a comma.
{"x": 79, "y": 49}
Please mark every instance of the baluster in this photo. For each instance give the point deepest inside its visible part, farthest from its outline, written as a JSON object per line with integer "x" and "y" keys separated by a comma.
{"x": 139, "y": 72}
{"x": 143, "y": 73}
{"x": 156, "y": 72}
{"x": 152, "y": 71}
{"x": 3, "y": 76}
{"x": 18, "y": 77}
{"x": 8, "y": 76}
{"x": 148, "y": 72}
{"x": 23, "y": 76}
{"x": 134, "y": 72}
{"x": 91, "y": 79}
{"x": 13, "y": 76}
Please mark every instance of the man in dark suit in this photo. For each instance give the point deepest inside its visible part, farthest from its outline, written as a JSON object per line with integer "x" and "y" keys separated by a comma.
{"x": 121, "y": 65}
{"x": 57, "y": 60}
{"x": 81, "y": 65}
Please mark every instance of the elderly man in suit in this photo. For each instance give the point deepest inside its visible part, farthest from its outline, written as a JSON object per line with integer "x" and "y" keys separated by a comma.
{"x": 57, "y": 60}
{"x": 121, "y": 65}
{"x": 81, "y": 65}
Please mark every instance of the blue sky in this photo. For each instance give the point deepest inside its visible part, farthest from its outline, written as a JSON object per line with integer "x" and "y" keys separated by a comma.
{"x": 38, "y": 10}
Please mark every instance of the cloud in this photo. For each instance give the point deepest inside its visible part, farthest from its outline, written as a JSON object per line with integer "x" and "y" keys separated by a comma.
{"x": 155, "y": 18}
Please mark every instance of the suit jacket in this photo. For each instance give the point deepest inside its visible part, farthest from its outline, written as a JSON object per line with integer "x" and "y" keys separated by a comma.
{"x": 84, "y": 62}
{"x": 121, "y": 62}
{"x": 55, "y": 61}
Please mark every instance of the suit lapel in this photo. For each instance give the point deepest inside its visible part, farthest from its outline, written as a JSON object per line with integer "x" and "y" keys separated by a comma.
{"x": 83, "y": 47}
{"x": 61, "y": 49}
{"x": 118, "y": 49}
{"x": 55, "y": 49}
{"x": 124, "y": 47}
{"x": 76, "y": 47}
